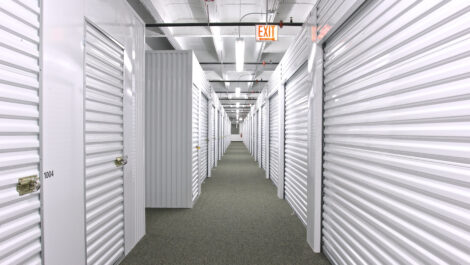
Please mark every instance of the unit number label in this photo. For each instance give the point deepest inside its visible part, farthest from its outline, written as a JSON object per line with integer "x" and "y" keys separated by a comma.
{"x": 49, "y": 174}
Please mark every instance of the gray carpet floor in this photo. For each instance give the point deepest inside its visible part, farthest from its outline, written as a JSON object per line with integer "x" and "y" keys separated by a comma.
{"x": 238, "y": 219}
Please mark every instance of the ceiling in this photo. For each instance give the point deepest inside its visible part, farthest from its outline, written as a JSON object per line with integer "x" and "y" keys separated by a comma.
{"x": 215, "y": 46}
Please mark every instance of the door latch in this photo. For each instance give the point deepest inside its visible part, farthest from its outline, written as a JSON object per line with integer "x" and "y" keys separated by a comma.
{"x": 27, "y": 185}
{"x": 120, "y": 161}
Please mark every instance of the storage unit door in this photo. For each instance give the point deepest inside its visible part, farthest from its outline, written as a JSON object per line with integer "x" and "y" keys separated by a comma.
{"x": 195, "y": 143}
{"x": 212, "y": 139}
{"x": 274, "y": 138}
{"x": 20, "y": 218}
{"x": 296, "y": 112}
{"x": 255, "y": 136}
{"x": 216, "y": 120}
{"x": 221, "y": 135}
{"x": 204, "y": 137}
{"x": 397, "y": 127}
{"x": 104, "y": 146}
{"x": 259, "y": 136}
{"x": 263, "y": 137}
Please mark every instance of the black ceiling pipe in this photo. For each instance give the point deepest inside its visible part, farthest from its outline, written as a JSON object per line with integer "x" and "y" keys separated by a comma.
{"x": 240, "y": 99}
{"x": 230, "y": 63}
{"x": 239, "y": 81}
{"x": 220, "y": 24}
{"x": 225, "y": 92}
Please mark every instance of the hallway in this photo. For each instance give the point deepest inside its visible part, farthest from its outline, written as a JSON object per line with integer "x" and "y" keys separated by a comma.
{"x": 237, "y": 220}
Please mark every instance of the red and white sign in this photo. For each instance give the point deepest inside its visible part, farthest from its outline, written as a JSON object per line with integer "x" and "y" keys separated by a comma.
{"x": 266, "y": 32}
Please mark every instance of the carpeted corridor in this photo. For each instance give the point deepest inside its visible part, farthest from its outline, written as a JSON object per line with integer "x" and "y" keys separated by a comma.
{"x": 237, "y": 220}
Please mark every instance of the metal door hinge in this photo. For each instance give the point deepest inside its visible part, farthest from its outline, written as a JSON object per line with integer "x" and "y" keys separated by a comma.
{"x": 27, "y": 185}
{"x": 120, "y": 161}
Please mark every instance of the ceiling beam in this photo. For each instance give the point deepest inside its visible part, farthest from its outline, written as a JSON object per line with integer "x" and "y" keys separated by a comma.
{"x": 159, "y": 16}
{"x": 210, "y": 8}
{"x": 220, "y": 24}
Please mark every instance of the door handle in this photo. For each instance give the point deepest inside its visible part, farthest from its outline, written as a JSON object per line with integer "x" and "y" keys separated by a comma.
{"x": 120, "y": 161}
{"x": 28, "y": 185}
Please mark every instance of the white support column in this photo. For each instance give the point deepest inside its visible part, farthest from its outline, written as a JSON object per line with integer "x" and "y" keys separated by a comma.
{"x": 315, "y": 150}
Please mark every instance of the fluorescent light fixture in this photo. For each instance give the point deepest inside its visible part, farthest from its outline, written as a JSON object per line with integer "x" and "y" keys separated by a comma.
{"x": 246, "y": 96}
{"x": 237, "y": 92}
{"x": 240, "y": 53}
{"x": 240, "y": 118}
{"x": 238, "y": 104}
{"x": 238, "y": 111}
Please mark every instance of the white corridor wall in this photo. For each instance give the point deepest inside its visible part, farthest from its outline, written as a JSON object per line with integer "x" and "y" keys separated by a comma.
{"x": 63, "y": 122}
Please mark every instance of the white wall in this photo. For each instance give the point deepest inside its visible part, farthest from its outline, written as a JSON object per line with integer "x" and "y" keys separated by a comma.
{"x": 62, "y": 123}
{"x": 235, "y": 138}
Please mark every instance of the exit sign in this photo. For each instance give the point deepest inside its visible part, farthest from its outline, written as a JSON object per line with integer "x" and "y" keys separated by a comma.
{"x": 266, "y": 32}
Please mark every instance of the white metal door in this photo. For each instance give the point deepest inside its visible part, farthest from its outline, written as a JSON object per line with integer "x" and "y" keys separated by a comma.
{"x": 216, "y": 139}
{"x": 255, "y": 136}
{"x": 397, "y": 127}
{"x": 212, "y": 139}
{"x": 20, "y": 217}
{"x": 259, "y": 141}
{"x": 274, "y": 138}
{"x": 263, "y": 137}
{"x": 220, "y": 134}
{"x": 104, "y": 146}
{"x": 195, "y": 142}
{"x": 204, "y": 138}
{"x": 296, "y": 113}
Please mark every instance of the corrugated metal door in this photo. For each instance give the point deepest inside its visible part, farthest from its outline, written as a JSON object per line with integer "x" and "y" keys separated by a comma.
{"x": 212, "y": 143}
{"x": 274, "y": 138}
{"x": 263, "y": 137}
{"x": 255, "y": 136}
{"x": 104, "y": 142}
{"x": 397, "y": 127}
{"x": 259, "y": 134}
{"x": 217, "y": 132}
{"x": 204, "y": 138}
{"x": 20, "y": 218}
{"x": 221, "y": 128}
{"x": 195, "y": 142}
{"x": 296, "y": 114}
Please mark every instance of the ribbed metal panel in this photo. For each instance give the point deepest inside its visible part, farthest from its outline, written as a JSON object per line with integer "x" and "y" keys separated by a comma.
{"x": 296, "y": 54}
{"x": 169, "y": 129}
{"x": 397, "y": 127}
{"x": 274, "y": 138}
{"x": 255, "y": 136}
{"x": 331, "y": 14}
{"x": 104, "y": 142}
{"x": 296, "y": 114}
{"x": 20, "y": 219}
{"x": 195, "y": 143}
{"x": 219, "y": 135}
{"x": 258, "y": 136}
{"x": 263, "y": 137}
{"x": 212, "y": 139}
{"x": 249, "y": 133}
{"x": 204, "y": 136}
